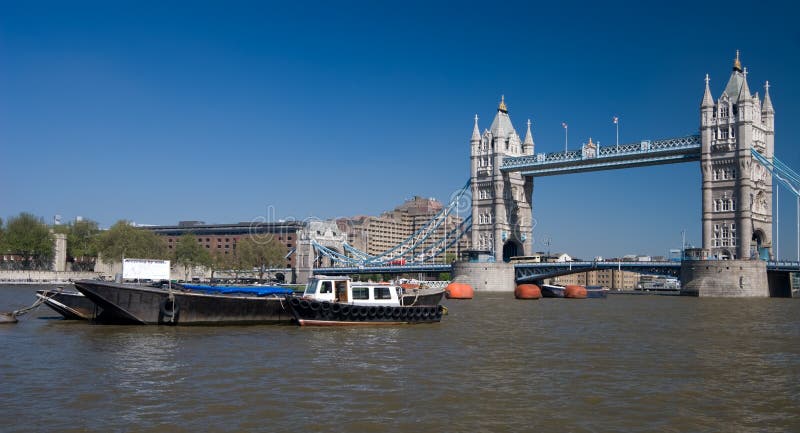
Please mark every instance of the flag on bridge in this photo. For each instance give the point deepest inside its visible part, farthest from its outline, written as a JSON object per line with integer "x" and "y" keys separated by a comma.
{"x": 616, "y": 119}
{"x": 564, "y": 124}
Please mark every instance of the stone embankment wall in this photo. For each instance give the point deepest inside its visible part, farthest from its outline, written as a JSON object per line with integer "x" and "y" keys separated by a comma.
{"x": 488, "y": 277}
{"x": 725, "y": 278}
{"x": 44, "y": 276}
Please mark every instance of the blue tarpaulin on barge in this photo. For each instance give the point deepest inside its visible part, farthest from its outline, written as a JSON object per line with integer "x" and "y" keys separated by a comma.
{"x": 246, "y": 290}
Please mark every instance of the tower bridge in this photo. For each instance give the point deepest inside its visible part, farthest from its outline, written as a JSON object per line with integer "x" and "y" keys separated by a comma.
{"x": 735, "y": 148}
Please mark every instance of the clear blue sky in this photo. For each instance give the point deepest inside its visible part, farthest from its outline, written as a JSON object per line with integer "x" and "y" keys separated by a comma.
{"x": 164, "y": 111}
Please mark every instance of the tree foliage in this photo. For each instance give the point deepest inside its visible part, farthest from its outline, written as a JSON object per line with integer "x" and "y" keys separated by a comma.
{"x": 189, "y": 253}
{"x": 82, "y": 237}
{"x": 261, "y": 253}
{"x": 124, "y": 240}
{"x": 28, "y": 237}
{"x": 221, "y": 262}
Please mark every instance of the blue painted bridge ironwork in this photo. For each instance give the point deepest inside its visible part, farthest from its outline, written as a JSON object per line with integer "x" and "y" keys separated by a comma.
{"x": 596, "y": 158}
{"x": 351, "y": 270}
{"x": 541, "y": 271}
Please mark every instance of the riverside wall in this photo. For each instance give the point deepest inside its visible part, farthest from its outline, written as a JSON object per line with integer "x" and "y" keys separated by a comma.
{"x": 44, "y": 276}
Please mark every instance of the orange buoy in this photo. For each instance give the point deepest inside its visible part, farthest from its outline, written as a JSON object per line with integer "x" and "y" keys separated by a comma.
{"x": 527, "y": 291}
{"x": 575, "y": 292}
{"x": 459, "y": 291}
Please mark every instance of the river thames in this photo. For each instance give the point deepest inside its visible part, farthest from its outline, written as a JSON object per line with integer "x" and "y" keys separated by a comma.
{"x": 626, "y": 363}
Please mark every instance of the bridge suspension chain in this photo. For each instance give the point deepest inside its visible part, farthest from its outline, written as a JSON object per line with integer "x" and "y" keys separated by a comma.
{"x": 448, "y": 240}
{"x": 357, "y": 257}
{"x": 785, "y": 175}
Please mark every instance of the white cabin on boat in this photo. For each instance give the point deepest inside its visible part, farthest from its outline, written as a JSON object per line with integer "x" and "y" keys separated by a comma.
{"x": 344, "y": 291}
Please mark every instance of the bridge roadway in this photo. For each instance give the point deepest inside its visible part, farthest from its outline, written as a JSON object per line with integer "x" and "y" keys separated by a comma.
{"x": 541, "y": 271}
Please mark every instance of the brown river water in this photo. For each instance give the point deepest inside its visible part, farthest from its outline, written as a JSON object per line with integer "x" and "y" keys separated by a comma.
{"x": 621, "y": 364}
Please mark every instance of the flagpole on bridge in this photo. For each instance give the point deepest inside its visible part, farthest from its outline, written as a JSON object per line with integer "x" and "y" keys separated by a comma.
{"x": 564, "y": 124}
{"x": 616, "y": 123}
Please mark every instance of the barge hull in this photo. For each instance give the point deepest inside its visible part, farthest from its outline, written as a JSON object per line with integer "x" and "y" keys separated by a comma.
{"x": 123, "y": 303}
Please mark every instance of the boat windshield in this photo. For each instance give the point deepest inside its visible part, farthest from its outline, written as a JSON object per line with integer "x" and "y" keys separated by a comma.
{"x": 311, "y": 288}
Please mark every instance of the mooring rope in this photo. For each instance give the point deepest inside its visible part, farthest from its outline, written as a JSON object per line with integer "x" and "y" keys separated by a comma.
{"x": 41, "y": 300}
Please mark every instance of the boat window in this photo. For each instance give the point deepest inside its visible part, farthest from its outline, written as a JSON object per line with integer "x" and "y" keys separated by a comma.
{"x": 311, "y": 288}
{"x": 360, "y": 292}
{"x": 327, "y": 287}
{"x": 382, "y": 293}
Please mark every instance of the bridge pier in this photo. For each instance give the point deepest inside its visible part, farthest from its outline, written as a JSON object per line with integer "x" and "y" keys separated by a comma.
{"x": 485, "y": 276}
{"x": 725, "y": 278}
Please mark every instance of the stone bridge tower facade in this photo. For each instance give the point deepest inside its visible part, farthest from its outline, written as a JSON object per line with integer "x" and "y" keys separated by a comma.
{"x": 737, "y": 189}
{"x": 501, "y": 202}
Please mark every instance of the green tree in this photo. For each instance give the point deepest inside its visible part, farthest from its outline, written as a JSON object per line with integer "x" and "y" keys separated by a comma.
{"x": 124, "y": 240}
{"x": 261, "y": 253}
{"x": 221, "y": 261}
{"x": 29, "y": 237}
{"x": 189, "y": 253}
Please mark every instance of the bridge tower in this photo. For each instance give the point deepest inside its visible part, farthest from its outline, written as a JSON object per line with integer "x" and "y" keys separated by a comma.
{"x": 501, "y": 202}
{"x": 737, "y": 190}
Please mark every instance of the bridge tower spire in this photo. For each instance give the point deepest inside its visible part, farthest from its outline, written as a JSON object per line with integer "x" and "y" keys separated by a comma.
{"x": 501, "y": 202}
{"x": 737, "y": 191}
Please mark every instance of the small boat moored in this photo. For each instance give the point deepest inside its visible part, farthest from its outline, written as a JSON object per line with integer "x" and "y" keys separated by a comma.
{"x": 336, "y": 301}
{"x": 596, "y": 292}
{"x": 552, "y": 291}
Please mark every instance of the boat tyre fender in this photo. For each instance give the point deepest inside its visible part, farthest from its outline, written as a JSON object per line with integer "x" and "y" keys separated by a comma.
{"x": 425, "y": 313}
{"x": 315, "y": 306}
{"x": 345, "y": 310}
{"x": 373, "y": 311}
{"x": 362, "y": 312}
{"x": 326, "y": 305}
{"x": 294, "y": 302}
{"x": 335, "y": 308}
{"x": 169, "y": 309}
{"x": 396, "y": 312}
{"x": 303, "y": 304}
{"x": 381, "y": 311}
